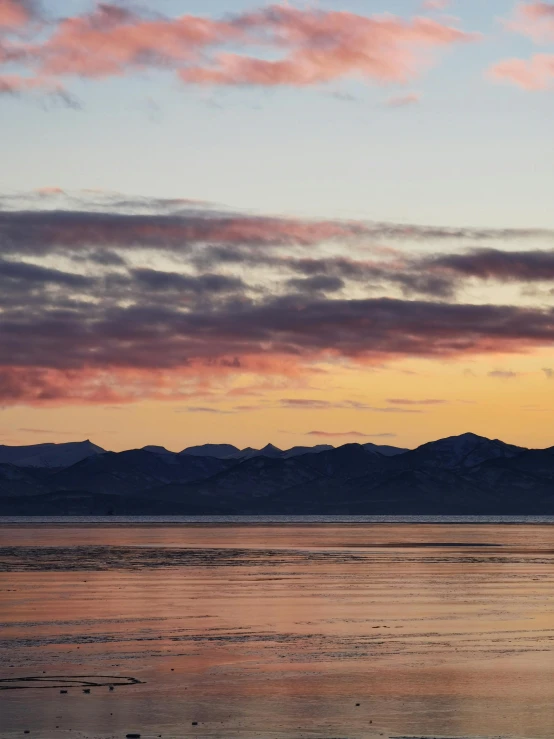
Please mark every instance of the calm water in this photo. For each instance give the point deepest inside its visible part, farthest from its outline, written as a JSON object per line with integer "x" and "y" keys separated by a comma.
{"x": 267, "y": 631}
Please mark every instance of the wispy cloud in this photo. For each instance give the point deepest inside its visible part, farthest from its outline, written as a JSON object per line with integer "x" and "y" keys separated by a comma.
{"x": 536, "y": 73}
{"x": 350, "y": 434}
{"x": 500, "y": 374}
{"x": 50, "y": 432}
{"x": 535, "y": 20}
{"x": 311, "y": 46}
{"x": 309, "y": 404}
{"x": 403, "y": 101}
{"x": 407, "y": 401}
{"x": 200, "y": 409}
{"x": 436, "y": 4}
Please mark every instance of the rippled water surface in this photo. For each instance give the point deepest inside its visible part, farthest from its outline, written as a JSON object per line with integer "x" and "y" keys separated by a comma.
{"x": 328, "y": 631}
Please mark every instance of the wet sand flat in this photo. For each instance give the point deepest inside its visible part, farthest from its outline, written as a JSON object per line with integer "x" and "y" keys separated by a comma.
{"x": 352, "y": 631}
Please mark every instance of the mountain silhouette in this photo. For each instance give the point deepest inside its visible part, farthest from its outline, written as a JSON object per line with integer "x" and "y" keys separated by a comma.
{"x": 465, "y": 474}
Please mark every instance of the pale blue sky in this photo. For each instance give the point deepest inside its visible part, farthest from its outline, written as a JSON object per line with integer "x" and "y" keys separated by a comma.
{"x": 471, "y": 153}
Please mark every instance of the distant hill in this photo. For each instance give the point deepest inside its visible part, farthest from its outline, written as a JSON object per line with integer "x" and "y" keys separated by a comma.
{"x": 296, "y": 451}
{"x": 156, "y": 449}
{"x": 465, "y": 474}
{"x": 132, "y": 472}
{"x": 387, "y": 451}
{"x": 227, "y": 451}
{"x": 48, "y": 455}
{"x": 462, "y": 452}
{"x": 219, "y": 451}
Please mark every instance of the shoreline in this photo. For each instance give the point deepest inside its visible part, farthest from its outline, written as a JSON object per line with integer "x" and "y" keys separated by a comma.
{"x": 253, "y": 521}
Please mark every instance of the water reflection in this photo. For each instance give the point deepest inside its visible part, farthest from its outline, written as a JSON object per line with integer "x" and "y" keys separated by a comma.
{"x": 279, "y": 631}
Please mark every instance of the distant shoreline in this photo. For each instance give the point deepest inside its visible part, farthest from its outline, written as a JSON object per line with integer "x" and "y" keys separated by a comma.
{"x": 271, "y": 521}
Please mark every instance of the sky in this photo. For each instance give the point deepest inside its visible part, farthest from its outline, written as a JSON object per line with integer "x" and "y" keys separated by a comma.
{"x": 297, "y": 223}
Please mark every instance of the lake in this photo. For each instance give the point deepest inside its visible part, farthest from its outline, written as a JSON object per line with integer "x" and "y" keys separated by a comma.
{"x": 277, "y": 629}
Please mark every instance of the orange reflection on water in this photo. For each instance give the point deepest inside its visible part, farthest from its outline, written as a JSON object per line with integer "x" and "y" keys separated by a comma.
{"x": 279, "y": 631}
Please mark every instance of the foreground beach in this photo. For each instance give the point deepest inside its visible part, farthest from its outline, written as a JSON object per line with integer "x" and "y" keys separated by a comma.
{"x": 282, "y": 631}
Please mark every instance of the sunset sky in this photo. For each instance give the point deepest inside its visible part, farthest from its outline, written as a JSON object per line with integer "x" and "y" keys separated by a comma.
{"x": 298, "y": 223}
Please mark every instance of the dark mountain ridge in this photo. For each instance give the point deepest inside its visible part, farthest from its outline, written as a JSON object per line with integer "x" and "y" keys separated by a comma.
{"x": 466, "y": 474}
{"x": 48, "y": 455}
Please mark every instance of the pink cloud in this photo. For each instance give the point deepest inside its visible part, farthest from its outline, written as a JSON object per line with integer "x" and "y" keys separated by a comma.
{"x": 15, "y": 16}
{"x": 321, "y": 47}
{"x": 436, "y": 4}
{"x": 112, "y": 40}
{"x": 402, "y": 101}
{"x": 49, "y": 191}
{"x": 308, "y": 46}
{"x": 535, "y": 20}
{"x": 536, "y": 73}
{"x": 14, "y": 13}
{"x": 15, "y": 84}
{"x": 199, "y": 379}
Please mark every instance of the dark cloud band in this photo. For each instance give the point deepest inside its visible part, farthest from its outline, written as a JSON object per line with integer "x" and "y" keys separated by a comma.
{"x": 93, "y": 294}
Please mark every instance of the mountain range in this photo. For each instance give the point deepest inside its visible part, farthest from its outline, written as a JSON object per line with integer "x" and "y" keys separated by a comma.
{"x": 465, "y": 474}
